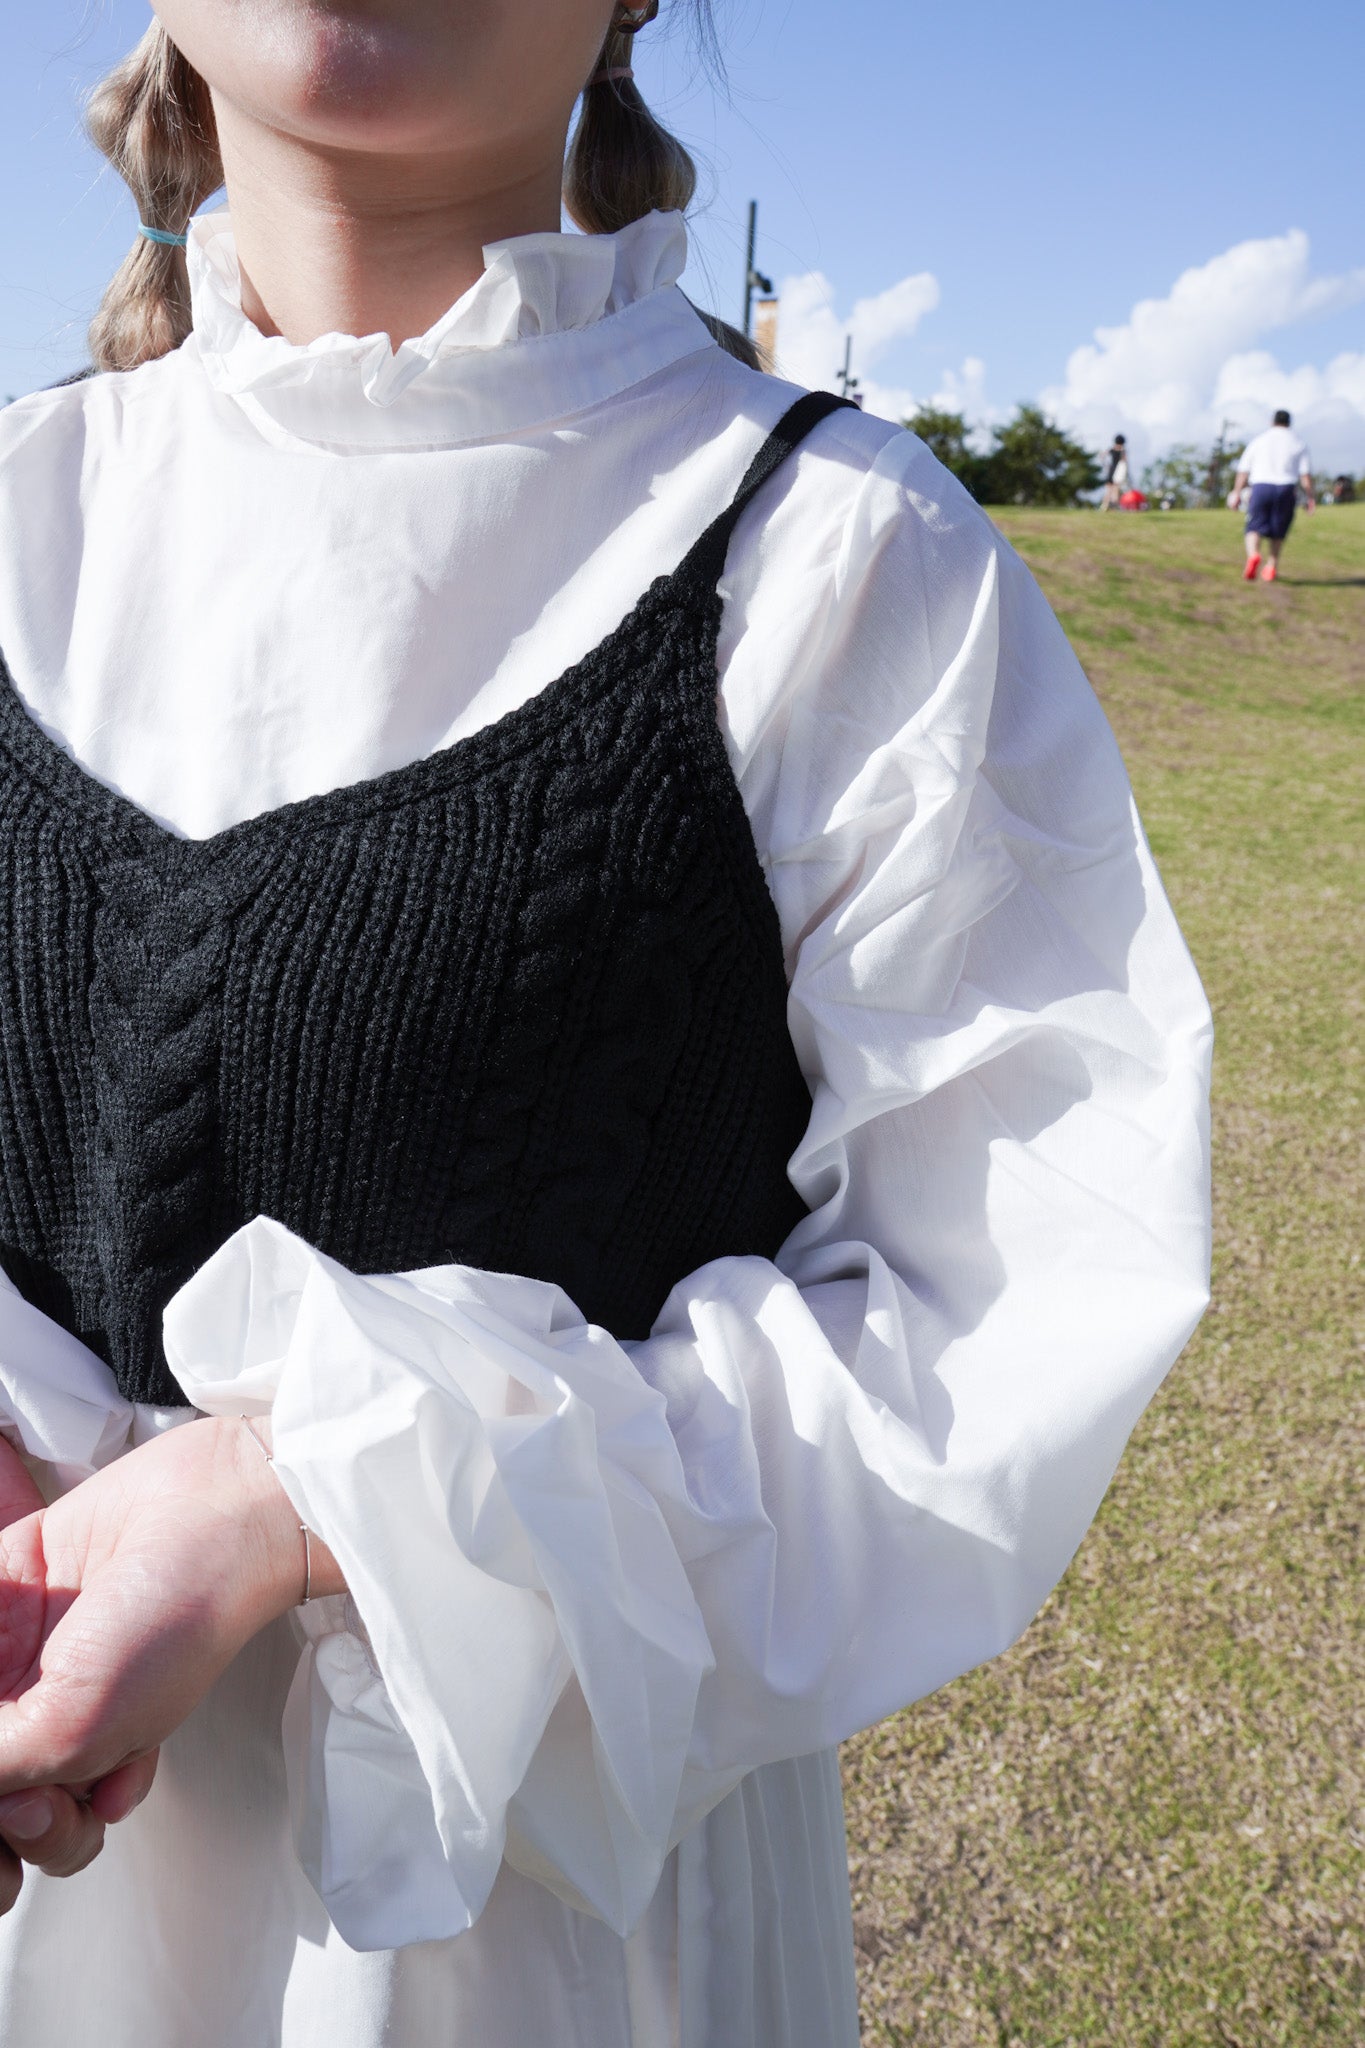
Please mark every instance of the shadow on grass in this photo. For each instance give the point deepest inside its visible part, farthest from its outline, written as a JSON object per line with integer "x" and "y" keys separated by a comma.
{"x": 1324, "y": 582}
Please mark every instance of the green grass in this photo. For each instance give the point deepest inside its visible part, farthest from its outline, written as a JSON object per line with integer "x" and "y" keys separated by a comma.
{"x": 1145, "y": 1825}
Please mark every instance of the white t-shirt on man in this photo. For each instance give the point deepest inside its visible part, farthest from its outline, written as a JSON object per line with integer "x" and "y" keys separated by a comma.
{"x": 1277, "y": 456}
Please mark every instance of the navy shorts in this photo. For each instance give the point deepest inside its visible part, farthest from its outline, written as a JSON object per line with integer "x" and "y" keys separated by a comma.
{"x": 1271, "y": 511}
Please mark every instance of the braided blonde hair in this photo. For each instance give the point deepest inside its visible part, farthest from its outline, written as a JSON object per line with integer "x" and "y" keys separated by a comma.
{"x": 152, "y": 117}
{"x": 622, "y": 164}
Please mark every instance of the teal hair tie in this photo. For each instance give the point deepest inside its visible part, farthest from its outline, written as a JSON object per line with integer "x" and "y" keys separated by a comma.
{"x": 160, "y": 235}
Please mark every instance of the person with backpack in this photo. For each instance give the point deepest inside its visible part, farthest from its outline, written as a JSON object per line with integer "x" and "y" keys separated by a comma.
{"x": 1116, "y": 474}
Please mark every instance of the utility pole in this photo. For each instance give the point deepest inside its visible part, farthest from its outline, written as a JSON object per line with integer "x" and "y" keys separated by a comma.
{"x": 753, "y": 279}
{"x": 848, "y": 383}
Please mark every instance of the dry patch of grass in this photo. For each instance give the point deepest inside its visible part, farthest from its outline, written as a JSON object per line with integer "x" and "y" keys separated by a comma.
{"x": 1145, "y": 1826}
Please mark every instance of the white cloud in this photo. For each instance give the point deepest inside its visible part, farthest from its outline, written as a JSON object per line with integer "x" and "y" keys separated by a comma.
{"x": 964, "y": 391}
{"x": 1328, "y": 405}
{"x": 811, "y": 332}
{"x": 893, "y": 314}
{"x": 1179, "y": 366}
{"x": 1176, "y": 370}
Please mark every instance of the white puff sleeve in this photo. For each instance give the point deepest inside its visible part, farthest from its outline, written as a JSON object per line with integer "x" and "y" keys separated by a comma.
{"x": 592, "y": 1583}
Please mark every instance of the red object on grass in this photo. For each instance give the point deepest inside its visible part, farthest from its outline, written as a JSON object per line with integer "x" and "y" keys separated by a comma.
{"x": 1249, "y": 573}
{"x": 1269, "y": 573}
{"x": 1133, "y": 501}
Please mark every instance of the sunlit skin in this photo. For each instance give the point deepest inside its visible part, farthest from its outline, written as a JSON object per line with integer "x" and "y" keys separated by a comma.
{"x": 371, "y": 151}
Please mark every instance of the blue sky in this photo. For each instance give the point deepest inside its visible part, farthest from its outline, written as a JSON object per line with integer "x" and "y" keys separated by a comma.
{"x": 986, "y": 184}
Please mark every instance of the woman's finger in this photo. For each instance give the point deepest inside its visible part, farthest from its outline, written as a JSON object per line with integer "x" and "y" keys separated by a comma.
{"x": 19, "y": 1495}
{"x": 51, "y": 1829}
{"x": 112, "y": 1799}
{"x": 11, "y": 1878}
{"x": 62, "y": 1731}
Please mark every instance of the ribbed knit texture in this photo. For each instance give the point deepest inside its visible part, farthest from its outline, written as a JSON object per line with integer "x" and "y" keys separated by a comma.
{"x": 519, "y": 1005}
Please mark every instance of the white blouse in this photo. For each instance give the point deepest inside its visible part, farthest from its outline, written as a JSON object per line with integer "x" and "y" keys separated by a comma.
{"x": 560, "y": 1767}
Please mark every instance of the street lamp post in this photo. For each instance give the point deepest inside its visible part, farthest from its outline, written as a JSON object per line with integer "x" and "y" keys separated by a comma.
{"x": 848, "y": 383}
{"x": 753, "y": 279}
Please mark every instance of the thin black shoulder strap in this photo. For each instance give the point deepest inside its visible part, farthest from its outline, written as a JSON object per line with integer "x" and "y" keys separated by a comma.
{"x": 705, "y": 559}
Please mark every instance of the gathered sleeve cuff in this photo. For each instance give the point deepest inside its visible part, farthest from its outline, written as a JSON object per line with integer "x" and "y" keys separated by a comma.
{"x": 493, "y": 1478}
{"x": 60, "y": 1406}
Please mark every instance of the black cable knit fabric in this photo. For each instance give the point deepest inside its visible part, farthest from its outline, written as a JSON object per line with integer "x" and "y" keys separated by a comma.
{"x": 519, "y": 1004}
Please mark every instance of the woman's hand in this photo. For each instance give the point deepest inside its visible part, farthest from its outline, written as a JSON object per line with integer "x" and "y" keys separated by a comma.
{"x": 51, "y": 1828}
{"x": 119, "y": 1607}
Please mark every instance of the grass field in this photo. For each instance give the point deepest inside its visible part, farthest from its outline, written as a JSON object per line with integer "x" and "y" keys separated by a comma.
{"x": 1146, "y": 1825}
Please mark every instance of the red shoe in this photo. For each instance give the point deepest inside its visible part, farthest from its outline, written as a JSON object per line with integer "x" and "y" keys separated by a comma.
{"x": 1270, "y": 572}
{"x": 1249, "y": 573}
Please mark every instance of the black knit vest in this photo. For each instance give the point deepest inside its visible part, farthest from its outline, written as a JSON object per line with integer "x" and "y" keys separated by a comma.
{"x": 519, "y": 1004}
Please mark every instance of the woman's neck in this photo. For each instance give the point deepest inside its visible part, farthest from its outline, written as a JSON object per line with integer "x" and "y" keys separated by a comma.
{"x": 334, "y": 242}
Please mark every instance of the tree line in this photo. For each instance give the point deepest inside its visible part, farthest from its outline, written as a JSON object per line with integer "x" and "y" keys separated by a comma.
{"x": 1030, "y": 460}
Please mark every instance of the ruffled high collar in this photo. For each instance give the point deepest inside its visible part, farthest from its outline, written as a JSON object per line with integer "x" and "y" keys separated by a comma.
{"x": 556, "y": 322}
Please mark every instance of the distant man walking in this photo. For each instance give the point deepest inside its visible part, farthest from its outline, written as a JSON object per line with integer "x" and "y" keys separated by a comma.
{"x": 1275, "y": 463}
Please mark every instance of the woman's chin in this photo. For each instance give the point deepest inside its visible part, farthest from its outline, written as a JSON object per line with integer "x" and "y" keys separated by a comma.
{"x": 339, "y": 77}
{"x": 343, "y": 73}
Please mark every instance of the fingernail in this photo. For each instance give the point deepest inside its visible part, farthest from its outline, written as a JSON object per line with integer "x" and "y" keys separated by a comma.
{"x": 26, "y": 1819}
